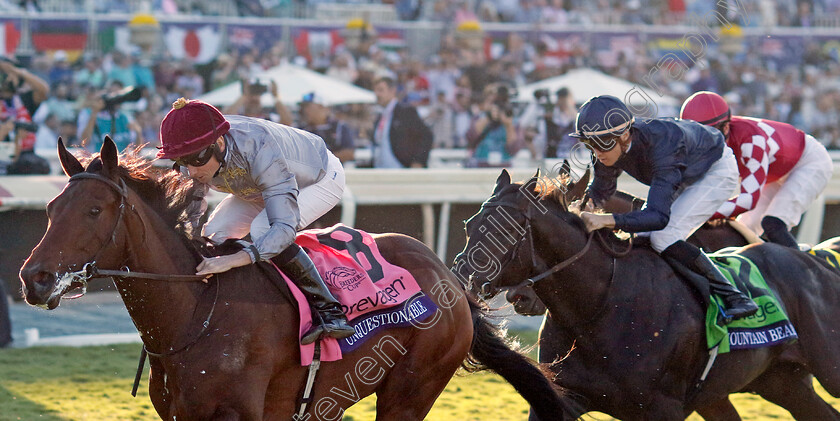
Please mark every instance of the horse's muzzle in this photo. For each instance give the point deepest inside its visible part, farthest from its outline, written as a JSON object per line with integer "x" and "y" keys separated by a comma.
{"x": 38, "y": 285}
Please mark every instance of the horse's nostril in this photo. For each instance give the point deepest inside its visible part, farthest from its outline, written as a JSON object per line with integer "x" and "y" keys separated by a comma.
{"x": 37, "y": 281}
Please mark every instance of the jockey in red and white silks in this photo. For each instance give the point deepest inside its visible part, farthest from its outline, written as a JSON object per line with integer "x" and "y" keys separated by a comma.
{"x": 782, "y": 169}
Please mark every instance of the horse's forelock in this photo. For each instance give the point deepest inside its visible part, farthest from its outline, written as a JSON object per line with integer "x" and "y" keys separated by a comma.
{"x": 166, "y": 192}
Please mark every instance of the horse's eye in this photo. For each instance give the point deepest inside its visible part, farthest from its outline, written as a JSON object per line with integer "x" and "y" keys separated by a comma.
{"x": 94, "y": 211}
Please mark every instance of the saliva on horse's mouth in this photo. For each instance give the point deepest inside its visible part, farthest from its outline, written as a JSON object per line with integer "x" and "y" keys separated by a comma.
{"x": 67, "y": 283}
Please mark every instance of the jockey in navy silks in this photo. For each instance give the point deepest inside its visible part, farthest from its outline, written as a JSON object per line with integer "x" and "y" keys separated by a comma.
{"x": 690, "y": 171}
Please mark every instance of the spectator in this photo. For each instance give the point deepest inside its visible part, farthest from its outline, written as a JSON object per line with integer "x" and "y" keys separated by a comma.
{"x": 317, "y": 118}
{"x": 67, "y": 131}
{"x": 400, "y": 138}
{"x": 189, "y": 84}
{"x": 21, "y": 92}
{"x": 343, "y": 68}
{"x": 463, "y": 116}
{"x": 91, "y": 74}
{"x": 493, "y": 138}
{"x": 249, "y": 103}
{"x": 59, "y": 105}
{"x": 61, "y": 71}
{"x": 225, "y": 71}
{"x": 441, "y": 119}
{"x": 47, "y": 135}
{"x": 122, "y": 70}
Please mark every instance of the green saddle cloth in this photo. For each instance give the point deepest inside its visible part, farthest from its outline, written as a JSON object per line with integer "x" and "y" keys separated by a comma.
{"x": 768, "y": 327}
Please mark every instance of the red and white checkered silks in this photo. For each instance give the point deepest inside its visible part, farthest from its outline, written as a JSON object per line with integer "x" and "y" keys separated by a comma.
{"x": 766, "y": 151}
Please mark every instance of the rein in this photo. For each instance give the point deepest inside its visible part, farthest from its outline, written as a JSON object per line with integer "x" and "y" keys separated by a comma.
{"x": 560, "y": 266}
{"x": 90, "y": 271}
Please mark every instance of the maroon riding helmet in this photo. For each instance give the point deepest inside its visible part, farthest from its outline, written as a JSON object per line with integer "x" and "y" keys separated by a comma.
{"x": 190, "y": 127}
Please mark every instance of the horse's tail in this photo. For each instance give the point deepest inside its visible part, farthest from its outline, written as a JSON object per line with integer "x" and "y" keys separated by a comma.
{"x": 490, "y": 350}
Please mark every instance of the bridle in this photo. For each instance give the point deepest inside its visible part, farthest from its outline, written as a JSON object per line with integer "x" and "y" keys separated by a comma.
{"x": 90, "y": 271}
{"x": 487, "y": 288}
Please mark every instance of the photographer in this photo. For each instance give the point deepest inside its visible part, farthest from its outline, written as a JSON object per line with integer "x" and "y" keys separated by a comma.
{"x": 493, "y": 137}
{"x": 556, "y": 119}
{"x": 249, "y": 103}
{"x": 21, "y": 92}
{"x": 103, "y": 115}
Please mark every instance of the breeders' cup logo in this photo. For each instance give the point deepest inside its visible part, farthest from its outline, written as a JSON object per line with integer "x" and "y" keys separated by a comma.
{"x": 344, "y": 278}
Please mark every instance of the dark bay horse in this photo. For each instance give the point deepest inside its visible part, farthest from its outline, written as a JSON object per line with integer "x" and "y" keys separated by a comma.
{"x": 638, "y": 331}
{"x": 228, "y": 349}
{"x": 711, "y": 236}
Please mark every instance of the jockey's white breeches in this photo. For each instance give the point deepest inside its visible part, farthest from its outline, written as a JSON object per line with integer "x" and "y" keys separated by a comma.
{"x": 698, "y": 202}
{"x": 235, "y": 217}
{"x": 789, "y": 197}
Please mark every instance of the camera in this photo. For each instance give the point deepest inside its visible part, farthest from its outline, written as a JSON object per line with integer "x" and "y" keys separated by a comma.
{"x": 256, "y": 87}
{"x": 502, "y": 100}
{"x": 129, "y": 93}
{"x": 543, "y": 97}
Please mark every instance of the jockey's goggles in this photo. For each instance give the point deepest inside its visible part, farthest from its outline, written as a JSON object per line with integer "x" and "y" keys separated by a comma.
{"x": 601, "y": 143}
{"x": 198, "y": 159}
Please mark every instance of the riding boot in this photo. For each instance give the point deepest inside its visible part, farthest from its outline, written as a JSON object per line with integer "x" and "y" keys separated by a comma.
{"x": 327, "y": 317}
{"x": 776, "y": 231}
{"x": 737, "y": 305}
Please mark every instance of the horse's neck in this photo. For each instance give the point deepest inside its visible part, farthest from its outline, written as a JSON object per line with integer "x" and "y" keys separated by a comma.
{"x": 578, "y": 292}
{"x": 161, "y": 310}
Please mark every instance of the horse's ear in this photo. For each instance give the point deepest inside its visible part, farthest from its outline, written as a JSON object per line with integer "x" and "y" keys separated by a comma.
{"x": 575, "y": 191}
{"x": 108, "y": 155}
{"x": 502, "y": 181}
{"x": 534, "y": 182}
{"x": 565, "y": 169}
{"x": 69, "y": 163}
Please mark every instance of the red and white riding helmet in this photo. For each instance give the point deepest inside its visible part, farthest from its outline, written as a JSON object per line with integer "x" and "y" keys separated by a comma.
{"x": 706, "y": 108}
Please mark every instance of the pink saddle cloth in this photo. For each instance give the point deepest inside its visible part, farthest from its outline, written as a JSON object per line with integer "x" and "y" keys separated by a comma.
{"x": 360, "y": 278}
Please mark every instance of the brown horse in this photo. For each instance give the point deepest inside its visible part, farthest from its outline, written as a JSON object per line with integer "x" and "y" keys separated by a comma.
{"x": 638, "y": 330}
{"x": 228, "y": 349}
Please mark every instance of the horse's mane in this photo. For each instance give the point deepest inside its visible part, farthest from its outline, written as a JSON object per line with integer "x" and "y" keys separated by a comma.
{"x": 553, "y": 191}
{"x": 167, "y": 192}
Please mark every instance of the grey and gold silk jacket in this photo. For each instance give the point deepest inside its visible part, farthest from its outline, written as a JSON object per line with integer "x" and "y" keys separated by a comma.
{"x": 268, "y": 163}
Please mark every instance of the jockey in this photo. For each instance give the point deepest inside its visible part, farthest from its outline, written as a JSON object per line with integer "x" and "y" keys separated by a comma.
{"x": 690, "y": 173}
{"x": 279, "y": 180}
{"x": 782, "y": 169}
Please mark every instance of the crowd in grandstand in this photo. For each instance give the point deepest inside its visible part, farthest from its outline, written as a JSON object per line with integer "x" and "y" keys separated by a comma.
{"x": 800, "y": 13}
{"x": 456, "y": 89}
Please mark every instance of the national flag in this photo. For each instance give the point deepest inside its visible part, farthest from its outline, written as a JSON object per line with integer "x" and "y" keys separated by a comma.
{"x": 53, "y": 35}
{"x": 772, "y": 47}
{"x": 390, "y": 41}
{"x": 310, "y": 43}
{"x": 9, "y": 38}
{"x": 116, "y": 37}
{"x": 199, "y": 45}
{"x": 241, "y": 37}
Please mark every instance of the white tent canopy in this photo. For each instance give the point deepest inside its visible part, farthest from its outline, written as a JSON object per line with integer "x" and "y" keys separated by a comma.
{"x": 586, "y": 83}
{"x": 292, "y": 83}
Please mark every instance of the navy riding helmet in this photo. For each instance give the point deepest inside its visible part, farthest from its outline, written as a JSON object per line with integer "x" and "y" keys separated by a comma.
{"x": 600, "y": 120}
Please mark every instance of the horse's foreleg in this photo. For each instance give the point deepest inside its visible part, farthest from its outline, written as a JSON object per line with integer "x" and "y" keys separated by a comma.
{"x": 158, "y": 393}
{"x": 722, "y": 410}
{"x": 792, "y": 388}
